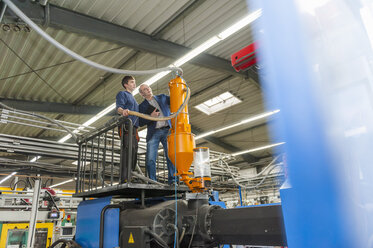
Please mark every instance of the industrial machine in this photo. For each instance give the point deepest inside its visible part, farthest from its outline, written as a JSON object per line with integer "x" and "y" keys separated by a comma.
{"x": 67, "y": 231}
{"x": 184, "y": 220}
{"x": 15, "y": 235}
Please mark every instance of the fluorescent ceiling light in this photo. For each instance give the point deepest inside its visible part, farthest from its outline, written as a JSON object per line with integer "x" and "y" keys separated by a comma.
{"x": 187, "y": 57}
{"x": 34, "y": 159}
{"x": 196, "y": 51}
{"x": 257, "y": 149}
{"x": 240, "y": 24}
{"x": 251, "y": 119}
{"x": 61, "y": 183}
{"x": 218, "y": 103}
{"x": 7, "y": 177}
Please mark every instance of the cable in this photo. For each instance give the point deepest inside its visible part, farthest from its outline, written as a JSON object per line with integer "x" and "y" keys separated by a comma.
{"x": 261, "y": 182}
{"x": 58, "y": 45}
{"x": 54, "y": 203}
{"x": 23, "y": 200}
{"x": 182, "y": 235}
{"x": 139, "y": 170}
{"x": 194, "y": 228}
{"x": 29, "y": 182}
{"x": 13, "y": 187}
{"x": 68, "y": 243}
{"x": 265, "y": 177}
{"x": 41, "y": 117}
{"x": 157, "y": 238}
{"x": 146, "y": 179}
{"x": 45, "y": 183}
{"x": 177, "y": 241}
{"x": 175, "y": 238}
{"x": 166, "y": 118}
{"x": 232, "y": 175}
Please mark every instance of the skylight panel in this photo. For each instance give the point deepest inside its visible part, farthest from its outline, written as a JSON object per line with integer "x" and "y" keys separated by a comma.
{"x": 218, "y": 103}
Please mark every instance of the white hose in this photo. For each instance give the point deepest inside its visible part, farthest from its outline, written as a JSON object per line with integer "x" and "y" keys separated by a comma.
{"x": 270, "y": 165}
{"x": 76, "y": 56}
{"x": 144, "y": 178}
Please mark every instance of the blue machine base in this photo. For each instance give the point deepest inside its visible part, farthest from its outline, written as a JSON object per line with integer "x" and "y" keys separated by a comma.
{"x": 88, "y": 224}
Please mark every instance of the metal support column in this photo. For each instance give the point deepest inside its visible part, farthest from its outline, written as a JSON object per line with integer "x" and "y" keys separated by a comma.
{"x": 34, "y": 213}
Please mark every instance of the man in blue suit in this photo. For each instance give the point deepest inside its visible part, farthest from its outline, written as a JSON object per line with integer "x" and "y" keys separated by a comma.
{"x": 156, "y": 106}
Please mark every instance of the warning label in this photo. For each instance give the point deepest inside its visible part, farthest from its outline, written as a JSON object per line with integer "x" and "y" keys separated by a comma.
{"x": 131, "y": 240}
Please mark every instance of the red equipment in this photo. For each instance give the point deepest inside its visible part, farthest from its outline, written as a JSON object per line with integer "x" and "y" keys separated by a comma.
{"x": 245, "y": 58}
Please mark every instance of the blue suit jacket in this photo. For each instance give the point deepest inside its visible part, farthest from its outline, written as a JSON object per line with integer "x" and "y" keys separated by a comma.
{"x": 164, "y": 104}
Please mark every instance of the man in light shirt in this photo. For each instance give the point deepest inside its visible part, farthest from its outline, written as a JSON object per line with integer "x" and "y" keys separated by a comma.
{"x": 156, "y": 106}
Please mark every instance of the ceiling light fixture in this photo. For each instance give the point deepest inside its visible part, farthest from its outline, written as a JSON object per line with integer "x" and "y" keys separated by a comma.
{"x": 251, "y": 119}
{"x": 7, "y": 177}
{"x": 257, "y": 149}
{"x": 61, "y": 183}
{"x": 34, "y": 159}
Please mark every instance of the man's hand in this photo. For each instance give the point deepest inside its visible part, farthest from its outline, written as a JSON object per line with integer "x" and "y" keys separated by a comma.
{"x": 125, "y": 112}
{"x": 155, "y": 113}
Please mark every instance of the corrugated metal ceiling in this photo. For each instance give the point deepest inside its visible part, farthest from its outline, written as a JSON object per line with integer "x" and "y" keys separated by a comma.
{"x": 32, "y": 69}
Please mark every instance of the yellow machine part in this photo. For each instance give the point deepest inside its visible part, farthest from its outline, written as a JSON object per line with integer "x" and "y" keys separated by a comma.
{"x": 7, "y": 227}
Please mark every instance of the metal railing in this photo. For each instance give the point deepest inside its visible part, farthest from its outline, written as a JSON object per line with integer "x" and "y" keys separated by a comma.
{"x": 101, "y": 157}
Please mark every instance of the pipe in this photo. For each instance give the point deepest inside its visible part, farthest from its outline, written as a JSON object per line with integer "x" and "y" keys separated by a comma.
{"x": 76, "y": 56}
{"x": 34, "y": 213}
{"x": 41, "y": 117}
{"x": 102, "y": 222}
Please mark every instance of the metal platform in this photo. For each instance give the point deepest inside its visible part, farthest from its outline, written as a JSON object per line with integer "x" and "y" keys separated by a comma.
{"x": 133, "y": 190}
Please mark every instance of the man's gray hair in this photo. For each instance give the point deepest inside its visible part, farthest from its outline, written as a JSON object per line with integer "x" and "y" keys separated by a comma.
{"x": 142, "y": 85}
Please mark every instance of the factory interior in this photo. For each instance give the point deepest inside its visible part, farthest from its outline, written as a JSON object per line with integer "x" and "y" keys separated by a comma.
{"x": 266, "y": 123}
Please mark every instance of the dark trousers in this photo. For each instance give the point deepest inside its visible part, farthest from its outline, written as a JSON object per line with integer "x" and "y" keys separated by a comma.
{"x": 125, "y": 162}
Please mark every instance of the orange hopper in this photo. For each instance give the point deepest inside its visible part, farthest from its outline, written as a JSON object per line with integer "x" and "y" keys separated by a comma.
{"x": 184, "y": 138}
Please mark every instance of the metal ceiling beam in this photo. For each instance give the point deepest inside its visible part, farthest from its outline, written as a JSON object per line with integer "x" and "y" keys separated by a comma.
{"x": 76, "y": 22}
{"x": 49, "y": 107}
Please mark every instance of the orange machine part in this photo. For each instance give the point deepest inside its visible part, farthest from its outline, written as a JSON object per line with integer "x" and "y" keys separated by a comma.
{"x": 184, "y": 138}
{"x": 181, "y": 133}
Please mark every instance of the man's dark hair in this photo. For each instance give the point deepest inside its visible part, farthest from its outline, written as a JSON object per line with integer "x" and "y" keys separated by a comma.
{"x": 126, "y": 79}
